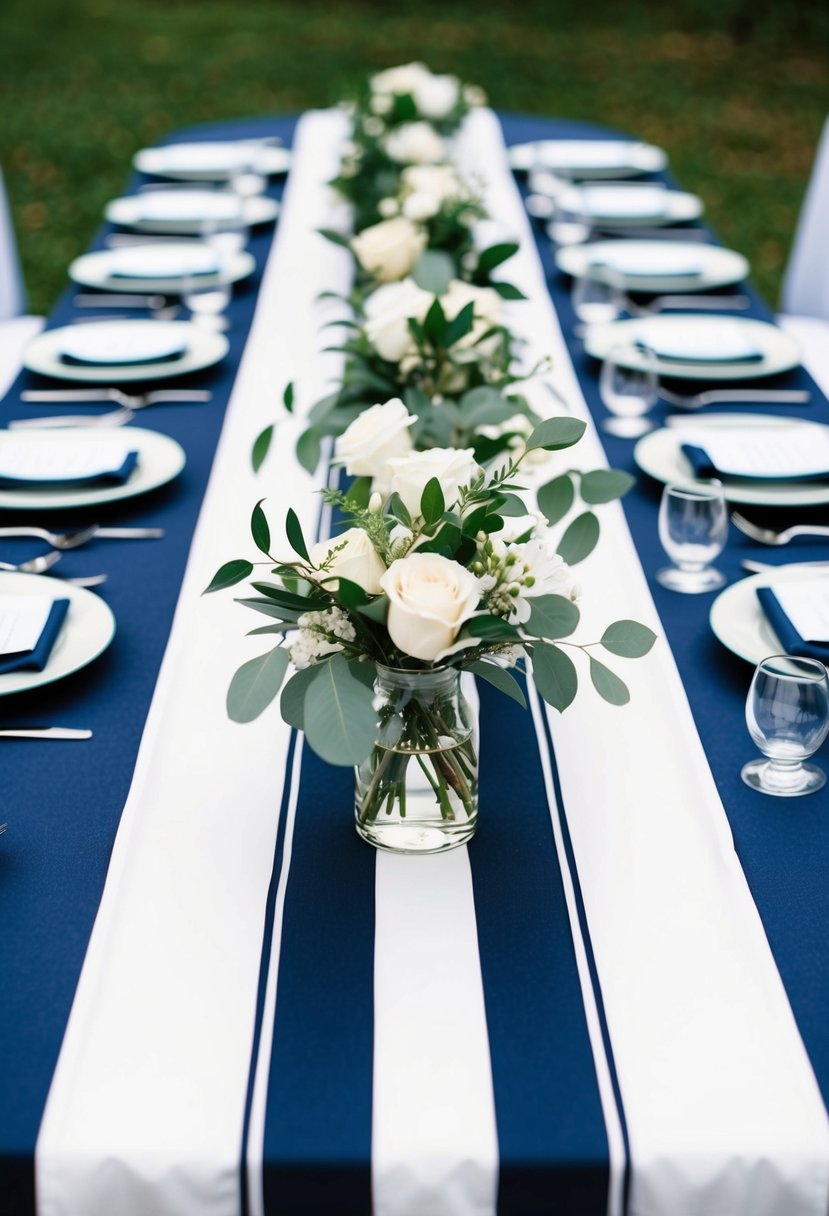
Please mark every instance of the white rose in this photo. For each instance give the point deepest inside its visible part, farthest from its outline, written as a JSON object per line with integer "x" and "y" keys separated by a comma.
{"x": 453, "y": 467}
{"x": 430, "y": 597}
{"x": 420, "y": 206}
{"x": 376, "y": 436}
{"x": 415, "y": 143}
{"x": 436, "y": 96}
{"x": 352, "y": 556}
{"x": 387, "y": 311}
{"x": 439, "y": 180}
{"x": 402, "y": 79}
{"x": 389, "y": 250}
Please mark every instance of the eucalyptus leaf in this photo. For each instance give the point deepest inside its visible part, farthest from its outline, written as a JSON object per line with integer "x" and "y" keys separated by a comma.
{"x": 556, "y": 498}
{"x": 628, "y": 639}
{"x": 309, "y": 448}
{"x": 229, "y": 574}
{"x": 259, "y": 529}
{"x": 255, "y": 685}
{"x": 552, "y": 616}
{"x": 434, "y": 271}
{"x": 261, "y": 444}
{"x": 500, "y": 679}
{"x": 603, "y": 485}
{"x": 555, "y": 676}
{"x": 292, "y": 701}
{"x": 553, "y": 434}
{"x": 340, "y": 719}
{"x": 607, "y": 684}
{"x": 580, "y": 538}
{"x": 293, "y": 529}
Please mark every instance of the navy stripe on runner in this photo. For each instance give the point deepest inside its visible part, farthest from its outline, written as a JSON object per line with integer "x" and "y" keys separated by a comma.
{"x": 551, "y": 1130}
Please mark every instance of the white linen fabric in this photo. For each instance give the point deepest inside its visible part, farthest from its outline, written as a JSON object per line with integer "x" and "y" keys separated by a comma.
{"x": 806, "y": 284}
{"x": 12, "y": 292}
{"x": 722, "y": 1109}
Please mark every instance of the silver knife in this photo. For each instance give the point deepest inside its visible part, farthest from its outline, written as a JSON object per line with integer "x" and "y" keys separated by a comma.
{"x": 763, "y": 567}
{"x": 44, "y": 732}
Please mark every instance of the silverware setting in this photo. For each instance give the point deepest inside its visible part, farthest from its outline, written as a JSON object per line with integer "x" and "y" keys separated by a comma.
{"x": 118, "y": 240}
{"x": 687, "y": 303}
{"x": 722, "y": 396}
{"x": 129, "y": 404}
{"x": 40, "y": 565}
{"x": 105, "y": 299}
{"x": 74, "y": 540}
{"x": 767, "y": 536}
{"x": 156, "y": 314}
{"x": 42, "y": 732}
{"x": 753, "y": 567}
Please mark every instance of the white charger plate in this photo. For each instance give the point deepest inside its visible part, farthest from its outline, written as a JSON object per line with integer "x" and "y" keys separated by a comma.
{"x": 212, "y": 161}
{"x": 87, "y": 630}
{"x": 184, "y": 212}
{"x": 160, "y": 459}
{"x": 97, "y": 269}
{"x": 780, "y": 351}
{"x": 202, "y": 348}
{"x": 589, "y": 158}
{"x": 717, "y": 266}
{"x": 599, "y": 203}
{"x": 738, "y": 620}
{"x": 659, "y": 454}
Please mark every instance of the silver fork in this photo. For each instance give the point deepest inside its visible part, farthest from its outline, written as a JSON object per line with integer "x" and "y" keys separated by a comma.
{"x": 696, "y": 401}
{"x": 73, "y": 540}
{"x": 690, "y": 303}
{"x": 103, "y": 299}
{"x": 35, "y": 565}
{"x": 129, "y": 404}
{"x": 767, "y": 536}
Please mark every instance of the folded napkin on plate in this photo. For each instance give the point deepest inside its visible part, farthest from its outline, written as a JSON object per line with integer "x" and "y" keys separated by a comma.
{"x": 699, "y": 341}
{"x": 649, "y": 264}
{"x": 787, "y": 631}
{"x": 796, "y": 453}
{"x": 28, "y": 464}
{"x": 624, "y": 202}
{"x": 25, "y": 644}
{"x": 133, "y": 361}
{"x": 167, "y": 262}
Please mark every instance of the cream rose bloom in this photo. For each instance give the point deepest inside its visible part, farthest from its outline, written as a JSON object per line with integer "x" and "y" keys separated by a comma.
{"x": 402, "y": 79}
{"x": 441, "y": 181}
{"x": 420, "y": 206}
{"x": 430, "y": 597}
{"x": 375, "y": 437}
{"x": 389, "y": 250}
{"x": 415, "y": 143}
{"x": 387, "y": 311}
{"x": 353, "y": 556}
{"x": 453, "y": 467}
{"x": 436, "y": 96}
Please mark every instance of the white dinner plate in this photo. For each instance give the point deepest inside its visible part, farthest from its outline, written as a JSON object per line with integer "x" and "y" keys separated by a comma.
{"x": 184, "y": 212}
{"x": 589, "y": 158}
{"x": 660, "y": 454}
{"x": 674, "y": 266}
{"x": 779, "y": 350}
{"x": 740, "y": 623}
{"x": 160, "y": 459}
{"x": 631, "y": 207}
{"x": 212, "y": 161}
{"x": 202, "y": 348}
{"x": 158, "y": 268}
{"x": 87, "y": 630}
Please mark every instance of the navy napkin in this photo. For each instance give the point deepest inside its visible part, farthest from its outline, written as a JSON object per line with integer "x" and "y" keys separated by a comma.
{"x": 139, "y": 360}
{"x": 704, "y": 466}
{"x": 792, "y": 642}
{"x": 107, "y": 477}
{"x": 36, "y": 660}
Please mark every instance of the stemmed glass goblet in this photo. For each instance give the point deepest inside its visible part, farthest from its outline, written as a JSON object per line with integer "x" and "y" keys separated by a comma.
{"x": 693, "y": 527}
{"x": 787, "y": 713}
{"x": 628, "y": 391}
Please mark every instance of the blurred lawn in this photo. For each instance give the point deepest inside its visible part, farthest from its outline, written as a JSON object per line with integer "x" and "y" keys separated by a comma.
{"x": 735, "y": 90}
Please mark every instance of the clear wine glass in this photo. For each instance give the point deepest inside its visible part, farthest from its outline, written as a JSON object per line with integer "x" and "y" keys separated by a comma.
{"x": 628, "y": 392}
{"x": 207, "y": 298}
{"x": 787, "y": 713}
{"x": 693, "y": 527}
{"x": 597, "y": 296}
{"x": 228, "y": 233}
{"x": 570, "y": 224}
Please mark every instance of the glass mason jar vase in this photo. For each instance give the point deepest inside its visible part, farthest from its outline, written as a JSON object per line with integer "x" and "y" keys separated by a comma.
{"x": 418, "y": 790}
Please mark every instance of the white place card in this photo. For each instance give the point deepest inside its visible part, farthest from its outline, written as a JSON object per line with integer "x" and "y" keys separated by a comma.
{"x": 806, "y": 604}
{"x": 56, "y": 460}
{"x": 22, "y": 621}
{"x": 797, "y": 451}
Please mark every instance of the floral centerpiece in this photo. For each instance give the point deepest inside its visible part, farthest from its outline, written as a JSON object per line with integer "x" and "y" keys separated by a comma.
{"x": 442, "y": 573}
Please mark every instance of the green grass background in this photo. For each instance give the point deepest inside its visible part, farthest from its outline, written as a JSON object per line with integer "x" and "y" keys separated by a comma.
{"x": 736, "y": 91}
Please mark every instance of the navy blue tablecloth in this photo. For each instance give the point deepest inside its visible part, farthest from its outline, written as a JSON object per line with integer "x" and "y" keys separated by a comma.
{"x": 63, "y": 802}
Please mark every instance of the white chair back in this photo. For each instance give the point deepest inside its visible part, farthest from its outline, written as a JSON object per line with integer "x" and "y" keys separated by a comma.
{"x": 12, "y": 292}
{"x": 806, "y": 282}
